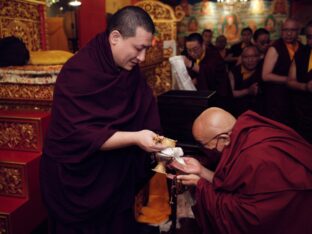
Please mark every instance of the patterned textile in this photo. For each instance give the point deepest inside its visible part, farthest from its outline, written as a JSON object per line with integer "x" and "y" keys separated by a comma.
{"x": 30, "y": 74}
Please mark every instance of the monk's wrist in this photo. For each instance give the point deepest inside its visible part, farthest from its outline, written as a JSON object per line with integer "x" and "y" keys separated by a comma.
{"x": 192, "y": 64}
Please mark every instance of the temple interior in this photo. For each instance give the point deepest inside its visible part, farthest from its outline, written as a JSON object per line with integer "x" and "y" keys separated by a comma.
{"x": 52, "y": 31}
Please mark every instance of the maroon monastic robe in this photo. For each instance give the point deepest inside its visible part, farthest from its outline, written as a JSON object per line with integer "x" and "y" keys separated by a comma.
{"x": 276, "y": 95}
{"x": 302, "y": 101}
{"x": 248, "y": 102}
{"x": 262, "y": 184}
{"x": 87, "y": 190}
{"x": 213, "y": 76}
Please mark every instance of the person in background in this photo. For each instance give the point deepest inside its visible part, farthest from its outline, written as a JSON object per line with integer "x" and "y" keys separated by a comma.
{"x": 103, "y": 126}
{"x": 245, "y": 79}
{"x": 221, "y": 43}
{"x": 209, "y": 68}
{"x": 261, "y": 38}
{"x": 263, "y": 182}
{"x": 276, "y": 66}
{"x": 237, "y": 49}
{"x": 300, "y": 80}
{"x": 207, "y": 35}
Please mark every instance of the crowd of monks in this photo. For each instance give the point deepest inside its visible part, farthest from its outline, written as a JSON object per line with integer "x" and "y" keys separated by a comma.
{"x": 257, "y": 73}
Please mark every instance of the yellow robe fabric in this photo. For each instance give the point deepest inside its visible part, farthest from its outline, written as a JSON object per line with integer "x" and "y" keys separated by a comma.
{"x": 157, "y": 209}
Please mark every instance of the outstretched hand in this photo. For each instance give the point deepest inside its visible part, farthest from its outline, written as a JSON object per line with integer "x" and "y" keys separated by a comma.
{"x": 145, "y": 140}
{"x": 192, "y": 166}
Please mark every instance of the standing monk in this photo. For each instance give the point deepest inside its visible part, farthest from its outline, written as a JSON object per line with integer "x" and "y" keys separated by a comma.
{"x": 245, "y": 79}
{"x": 104, "y": 119}
{"x": 300, "y": 80}
{"x": 263, "y": 182}
{"x": 209, "y": 68}
{"x": 275, "y": 73}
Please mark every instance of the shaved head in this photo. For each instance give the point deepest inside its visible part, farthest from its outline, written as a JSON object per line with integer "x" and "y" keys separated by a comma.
{"x": 211, "y": 123}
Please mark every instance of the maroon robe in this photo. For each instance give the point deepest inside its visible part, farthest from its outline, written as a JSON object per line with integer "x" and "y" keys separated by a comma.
{"x": 262, "y": 184}
{"x": 213, "y": 76}
{"x": 242, "y": 104}
{"x": 276, "y": 96}
{"x": 302, "y": 101}
{"x": 87, "y": 190}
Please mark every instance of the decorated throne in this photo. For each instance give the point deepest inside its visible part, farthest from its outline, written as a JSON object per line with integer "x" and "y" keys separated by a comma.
{"x": 156, "y": 65}
{"x": 25, "y": 98}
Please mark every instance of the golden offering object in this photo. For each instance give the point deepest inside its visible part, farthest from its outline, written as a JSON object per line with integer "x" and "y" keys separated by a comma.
{"x": 169, "y": 143}
{"x": 171, "y": 152}
{"x": 160, "y": 168}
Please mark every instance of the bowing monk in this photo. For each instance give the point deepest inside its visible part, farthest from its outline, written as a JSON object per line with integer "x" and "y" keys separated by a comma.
{"x": 300, "y": 80}
{"x": 275, "y": 73}
{"x": 263, "y": 182}
{"x": 104, "y": 121}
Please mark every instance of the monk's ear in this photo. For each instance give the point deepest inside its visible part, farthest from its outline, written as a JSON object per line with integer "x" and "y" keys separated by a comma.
{"x": 114, "y": 37}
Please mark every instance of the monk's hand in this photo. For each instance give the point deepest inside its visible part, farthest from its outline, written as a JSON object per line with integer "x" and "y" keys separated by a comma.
{"x": 187, "y": 62}
{"x": 253, "y": 89}
{"x": 192, "y": 166}
{"x": 190, "y": 180}
{"x": 145, "y": 140}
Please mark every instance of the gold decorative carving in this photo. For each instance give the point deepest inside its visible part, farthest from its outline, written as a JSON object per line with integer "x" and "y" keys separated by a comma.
{"x": 162, "y": 14}
{"x": 165, "y": 20}
{"x": 4, "y": 224}
{"x": 11, "y": 181}
{"x": 41, "y": 2}
{"x": 153, "y": 56}
{"x": 24, "y": 92}
{"x": 179, "y": 13}
{"x": 21, "y": 19}
{"x": 19, "y": 135}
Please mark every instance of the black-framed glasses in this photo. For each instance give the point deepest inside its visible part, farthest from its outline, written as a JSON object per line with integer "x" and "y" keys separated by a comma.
{"x": 195, "y": 49}
{"x": 217, "y": 137}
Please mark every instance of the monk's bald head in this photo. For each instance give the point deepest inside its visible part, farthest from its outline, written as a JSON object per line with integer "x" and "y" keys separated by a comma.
{"x": 211, "y": 123}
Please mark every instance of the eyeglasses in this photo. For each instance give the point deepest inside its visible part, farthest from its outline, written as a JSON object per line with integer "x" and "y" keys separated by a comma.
{"x": 195, "y": 49}
{"x": 254, "y": 57}
{"x": 290, "y": 30}
{"x": 210, "y": 144}
{"x": 264, "y": 43}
